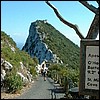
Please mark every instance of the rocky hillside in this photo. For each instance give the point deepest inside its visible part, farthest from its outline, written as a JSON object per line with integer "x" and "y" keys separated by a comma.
{"x": 47, "y": 43}
{"x": 17, "y": 67}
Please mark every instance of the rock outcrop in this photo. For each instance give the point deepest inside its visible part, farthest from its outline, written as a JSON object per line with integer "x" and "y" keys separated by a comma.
{"x": 24, "y": 73}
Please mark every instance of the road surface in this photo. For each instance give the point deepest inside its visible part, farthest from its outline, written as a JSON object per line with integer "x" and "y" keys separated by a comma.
{"x": 39, "y": 90}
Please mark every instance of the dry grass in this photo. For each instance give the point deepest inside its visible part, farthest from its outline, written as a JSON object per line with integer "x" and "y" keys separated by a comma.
{"x": 18, "y": 93}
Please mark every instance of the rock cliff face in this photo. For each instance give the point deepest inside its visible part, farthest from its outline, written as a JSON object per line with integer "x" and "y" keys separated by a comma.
{"x": 36, "y": 46}
{"x": 47, "y": 44}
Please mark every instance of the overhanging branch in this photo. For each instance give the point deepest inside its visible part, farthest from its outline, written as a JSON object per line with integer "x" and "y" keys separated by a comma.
{"x": 75, "y": 27}
{"x": 97, "y": 2}
{"x": 90, "y": 7}
{"x": 94, "y": 28}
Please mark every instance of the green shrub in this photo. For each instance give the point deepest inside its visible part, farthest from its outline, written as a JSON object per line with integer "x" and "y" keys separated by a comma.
{"x": 13, "y": 82}
{"x": 33, "y": 71}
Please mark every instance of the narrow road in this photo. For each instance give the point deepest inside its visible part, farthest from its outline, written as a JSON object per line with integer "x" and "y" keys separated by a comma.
{"x": 40, "y": 90}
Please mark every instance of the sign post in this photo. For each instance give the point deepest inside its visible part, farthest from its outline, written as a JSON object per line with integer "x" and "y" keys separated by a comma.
{"x": 89, "y": 67}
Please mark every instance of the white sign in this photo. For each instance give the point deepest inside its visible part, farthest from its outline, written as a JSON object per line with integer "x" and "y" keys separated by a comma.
{"x": 92, "y": 68}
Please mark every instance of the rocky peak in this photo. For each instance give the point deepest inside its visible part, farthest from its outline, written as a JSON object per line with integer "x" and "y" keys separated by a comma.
{"x": 35, "y": 44}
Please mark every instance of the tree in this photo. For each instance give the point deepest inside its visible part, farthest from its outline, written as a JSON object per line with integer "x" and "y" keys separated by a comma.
{"x": 94, "y": 28}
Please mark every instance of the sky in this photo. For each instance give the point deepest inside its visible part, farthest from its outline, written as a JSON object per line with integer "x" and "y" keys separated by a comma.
{"x": 17, "y": 16}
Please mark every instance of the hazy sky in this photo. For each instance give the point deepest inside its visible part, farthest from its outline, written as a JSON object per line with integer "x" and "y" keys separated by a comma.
{"x": 17, "y": 16}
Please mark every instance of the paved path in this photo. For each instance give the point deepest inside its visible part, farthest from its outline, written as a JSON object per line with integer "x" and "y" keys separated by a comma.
{"x": 40, "y": 90}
